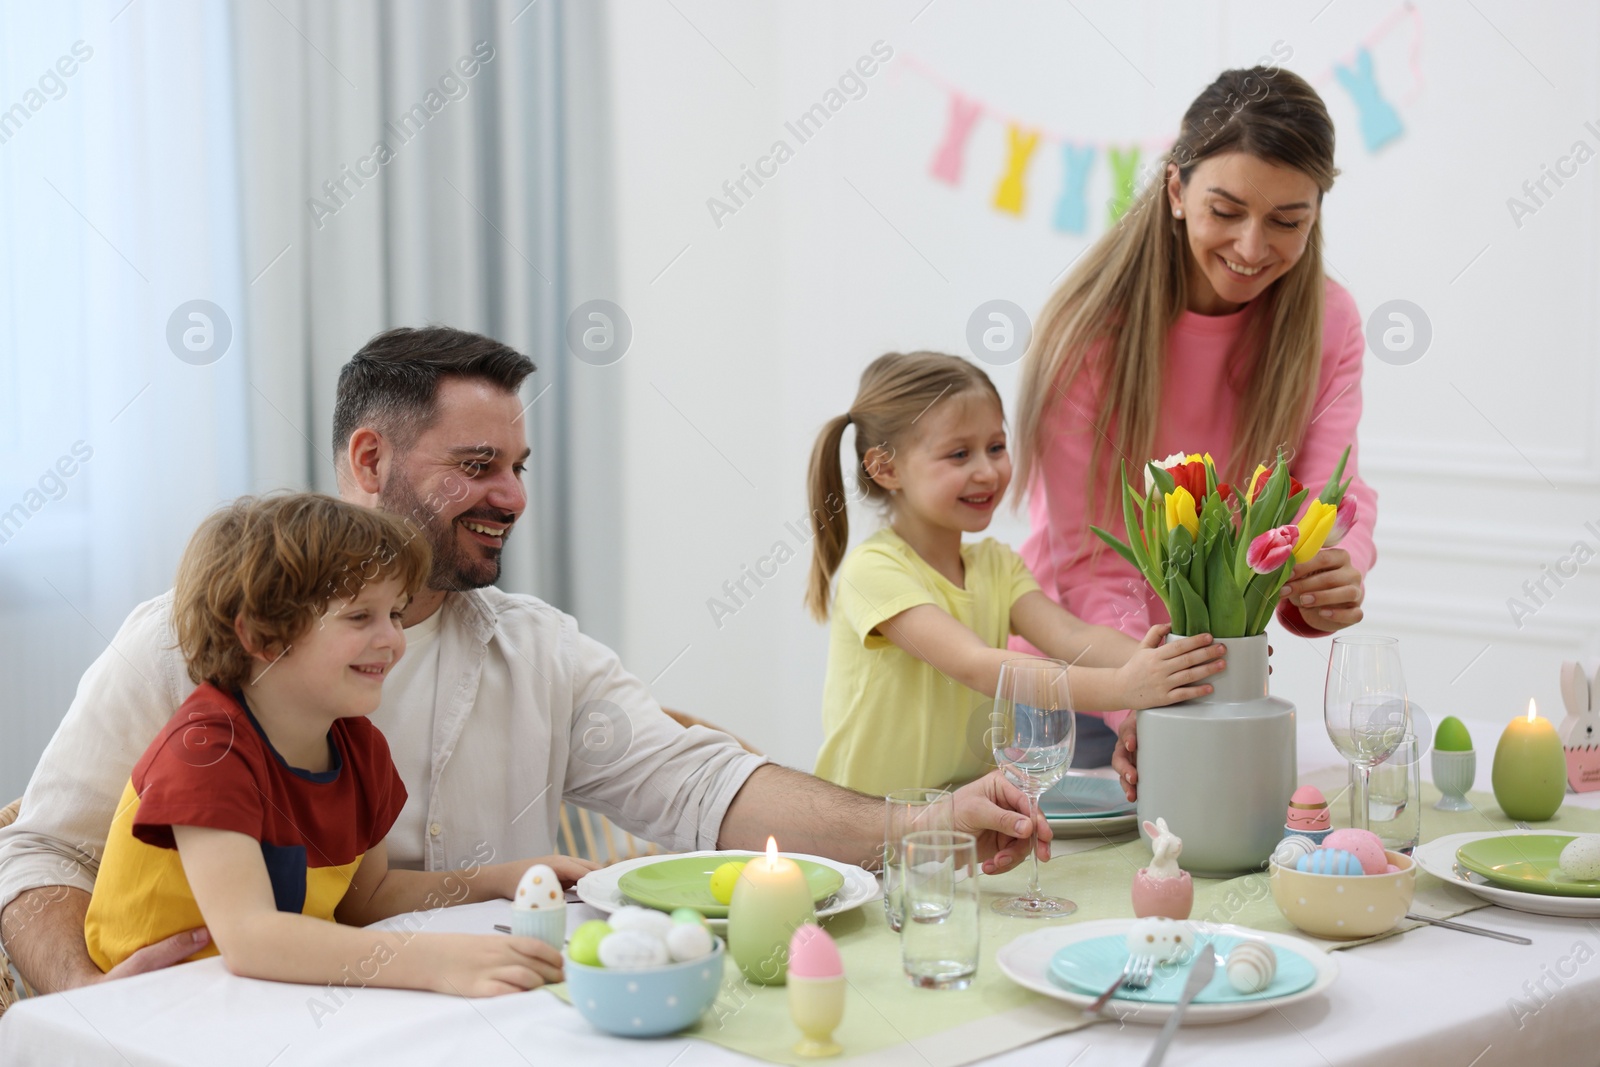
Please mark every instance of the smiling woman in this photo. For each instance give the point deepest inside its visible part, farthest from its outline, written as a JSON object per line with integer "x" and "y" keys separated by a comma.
{"x": 1202, "y": 323}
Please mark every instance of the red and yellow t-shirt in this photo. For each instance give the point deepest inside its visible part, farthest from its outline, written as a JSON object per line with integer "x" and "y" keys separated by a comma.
{"x": 212, "y": 766}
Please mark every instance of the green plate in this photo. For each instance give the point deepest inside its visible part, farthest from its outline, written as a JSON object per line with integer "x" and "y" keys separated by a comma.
{"x": 686, "y": 883}
{"x": 1529, "y": 862}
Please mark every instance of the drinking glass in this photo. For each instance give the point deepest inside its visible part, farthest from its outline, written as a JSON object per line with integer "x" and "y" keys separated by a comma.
{"x": 907, "y": 811}
{"x": 1032, "y": 730}
{"x": 1394, "y": 797}
{"x": 1365, "y": 709}
{"x": 939, "y": 887}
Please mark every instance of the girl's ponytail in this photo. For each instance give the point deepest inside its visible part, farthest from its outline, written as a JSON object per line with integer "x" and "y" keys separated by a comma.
{"x": 830, "y": 518}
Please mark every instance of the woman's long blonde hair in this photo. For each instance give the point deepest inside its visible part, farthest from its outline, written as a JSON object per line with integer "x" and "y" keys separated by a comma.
{"x": 1123, "y": 298}
{"x": 896, "y": 390}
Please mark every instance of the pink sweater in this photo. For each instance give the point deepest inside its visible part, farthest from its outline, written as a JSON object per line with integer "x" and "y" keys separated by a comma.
{"x": 1197, "y": 415}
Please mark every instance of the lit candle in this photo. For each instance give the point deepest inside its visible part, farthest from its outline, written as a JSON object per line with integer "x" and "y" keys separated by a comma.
{"x": 770, "y": 902}
{"x": 1530, "y": 768}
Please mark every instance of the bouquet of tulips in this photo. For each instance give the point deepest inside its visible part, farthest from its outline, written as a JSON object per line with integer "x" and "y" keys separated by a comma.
{"x": 1217, "y": 557}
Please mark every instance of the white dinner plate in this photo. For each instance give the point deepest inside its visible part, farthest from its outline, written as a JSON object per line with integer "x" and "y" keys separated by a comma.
{"x": 599, "y": 890}
{"x": 1026, "y": 961}
{"x": 1438, "y": 858}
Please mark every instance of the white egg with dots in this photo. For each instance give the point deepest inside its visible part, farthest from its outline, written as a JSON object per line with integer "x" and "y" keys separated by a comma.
{"x": 1580, "y": 859}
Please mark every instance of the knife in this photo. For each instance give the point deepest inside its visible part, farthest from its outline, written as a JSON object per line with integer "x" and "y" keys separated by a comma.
{"x": 1205, "y": 965}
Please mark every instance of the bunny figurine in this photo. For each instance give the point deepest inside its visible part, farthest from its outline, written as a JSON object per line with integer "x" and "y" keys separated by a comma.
{"x": 1580, "y": 730}
{"x": 1161, "y": 889}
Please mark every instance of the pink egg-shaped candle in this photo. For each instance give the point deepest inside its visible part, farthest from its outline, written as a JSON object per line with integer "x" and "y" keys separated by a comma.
{"x": 812, "y": 954}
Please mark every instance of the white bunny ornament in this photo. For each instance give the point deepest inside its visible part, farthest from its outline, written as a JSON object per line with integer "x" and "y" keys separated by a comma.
{"x": 1580, "y": 730}
{"x": 1162, "y": 889}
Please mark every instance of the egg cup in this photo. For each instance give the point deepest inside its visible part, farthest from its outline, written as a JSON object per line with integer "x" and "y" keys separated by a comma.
{"x": 1453, "y": 773}
{"x": 547, "y": 924}
{"x": 817, "y": 1007}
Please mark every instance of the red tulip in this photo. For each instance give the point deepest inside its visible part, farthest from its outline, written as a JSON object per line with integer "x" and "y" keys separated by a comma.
{"x": 1258, "y": 482}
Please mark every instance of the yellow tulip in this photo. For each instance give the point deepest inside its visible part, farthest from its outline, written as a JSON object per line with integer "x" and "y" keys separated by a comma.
{"x": 1181, "y": 512}
{"x": 1250, "y": 493}
{"x": 1314, "y": 529}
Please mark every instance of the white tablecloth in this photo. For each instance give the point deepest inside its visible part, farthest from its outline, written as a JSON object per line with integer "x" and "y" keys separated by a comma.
{"x": 1427, "y": 997}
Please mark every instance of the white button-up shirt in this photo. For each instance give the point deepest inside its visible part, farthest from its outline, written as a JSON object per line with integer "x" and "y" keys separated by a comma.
{"x": 527, "y": 712}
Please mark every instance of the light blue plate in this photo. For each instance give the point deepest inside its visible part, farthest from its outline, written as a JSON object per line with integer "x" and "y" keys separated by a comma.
{"x": 1078, "y": 797}
{"x": 1091, "y": 966}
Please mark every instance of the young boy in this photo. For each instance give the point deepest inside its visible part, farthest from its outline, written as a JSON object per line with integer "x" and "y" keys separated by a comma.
{"x": 263, "y": 803}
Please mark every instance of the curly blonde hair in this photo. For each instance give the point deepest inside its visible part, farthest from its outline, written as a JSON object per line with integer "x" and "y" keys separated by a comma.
{"x": 275, "y": 563}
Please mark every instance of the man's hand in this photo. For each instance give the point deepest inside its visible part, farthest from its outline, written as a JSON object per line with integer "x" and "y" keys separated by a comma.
{"x": 1327, "y": 590}
{"x": 996, "y": 812}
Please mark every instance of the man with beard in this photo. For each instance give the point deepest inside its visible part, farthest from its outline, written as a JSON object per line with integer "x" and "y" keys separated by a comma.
{"x": 499, "y": 711}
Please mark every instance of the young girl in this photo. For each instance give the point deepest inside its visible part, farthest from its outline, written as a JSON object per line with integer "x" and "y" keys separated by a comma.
{"x": 920, "y": 620}
{"x": 260, "y": 810}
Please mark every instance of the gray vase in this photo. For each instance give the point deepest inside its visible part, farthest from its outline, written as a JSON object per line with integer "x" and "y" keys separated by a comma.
{"x": 1221, "y": 768}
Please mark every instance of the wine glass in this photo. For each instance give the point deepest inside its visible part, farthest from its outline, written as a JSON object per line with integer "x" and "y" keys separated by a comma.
{"x": 1033, "y": 730}
{"x": 1365, "y": 708}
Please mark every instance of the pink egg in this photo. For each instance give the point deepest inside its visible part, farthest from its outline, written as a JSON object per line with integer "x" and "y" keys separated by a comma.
{"x": 812, "y": 954}
{"x": 1364, "y": 845}
{"x": 1308, "y": 810}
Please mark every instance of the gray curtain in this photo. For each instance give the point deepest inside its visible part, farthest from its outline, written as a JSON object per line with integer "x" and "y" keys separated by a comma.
{"x": 408, "y": 163}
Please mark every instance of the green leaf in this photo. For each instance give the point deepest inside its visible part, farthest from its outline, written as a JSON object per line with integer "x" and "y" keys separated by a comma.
{"x": 1196, "y": 570}
{"x": 1135, "y": 544}
{"x": 1175, "y": 605}
{"x": 1195, "y": 616}
{"x": 1224, "y": 603}
{"x": 1337, "y": 493}
{"x": 1293, "y": 510}
{"x": 1125, "y": 551}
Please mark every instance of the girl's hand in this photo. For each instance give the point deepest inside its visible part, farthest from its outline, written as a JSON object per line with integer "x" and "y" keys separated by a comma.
{"x": 474, "y": 965}
{"x": 1327, "y": 590}
{"x": 1160, "y": 674}
{"x": 1125, "y": 757}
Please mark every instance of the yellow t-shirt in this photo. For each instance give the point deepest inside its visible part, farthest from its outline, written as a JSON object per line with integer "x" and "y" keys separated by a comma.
{"x": 891, "y": 721}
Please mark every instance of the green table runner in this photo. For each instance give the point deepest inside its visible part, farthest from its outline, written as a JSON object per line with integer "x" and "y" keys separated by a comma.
{"x": 888, "y": 1020}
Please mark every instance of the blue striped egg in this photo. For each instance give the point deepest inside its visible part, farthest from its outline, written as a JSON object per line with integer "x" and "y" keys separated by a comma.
{"x": 1329, "y": 861}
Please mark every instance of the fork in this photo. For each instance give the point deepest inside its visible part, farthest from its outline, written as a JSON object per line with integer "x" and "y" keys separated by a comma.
{"x": 1136, "y": 975}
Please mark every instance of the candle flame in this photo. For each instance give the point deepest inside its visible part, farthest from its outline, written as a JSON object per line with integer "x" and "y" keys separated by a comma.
{"x": 1533, "y": 710}
{"x": 772, "y": 852}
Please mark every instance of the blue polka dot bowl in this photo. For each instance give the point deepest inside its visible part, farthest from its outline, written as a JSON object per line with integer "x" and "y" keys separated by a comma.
{"x": 652, "y": 1002}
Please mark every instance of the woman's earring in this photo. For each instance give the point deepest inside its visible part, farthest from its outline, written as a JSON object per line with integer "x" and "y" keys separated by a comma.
{"x": 1177, "y": 212}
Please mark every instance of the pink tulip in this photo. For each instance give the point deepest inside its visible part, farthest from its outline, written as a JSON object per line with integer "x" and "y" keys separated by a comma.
{"x": 1342, "y": 522}
{"x": 1272, "y": 550}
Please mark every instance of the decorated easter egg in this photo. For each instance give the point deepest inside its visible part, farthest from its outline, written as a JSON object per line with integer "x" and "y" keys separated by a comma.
{"x": 1580, "y": 859}
{"x": 687, "y": 915}
{"x": 1165, "y": 939}
{"x": 1329, "y": 861}
{"x": 1452, "y": 736}
{"x": 584, "y": 946}
{"x": 1364, "y": 845}
{"x": 724, "y": 878}
{"x": 641, "y": 920}
{"x": 688, "y": 941}
{"x": 812, "y": 954}
{"x": 1291, "y": 848}
{"x": 1251, "y": 966}
{"x": 539, "y": 888}
{"x": 1308, "y": 810}
{"x": 632, "y": 950}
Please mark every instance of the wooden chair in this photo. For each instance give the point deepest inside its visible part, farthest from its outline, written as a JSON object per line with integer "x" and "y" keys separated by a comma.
{"x": 8, "y": 987}
{"x": 597, "y": 837}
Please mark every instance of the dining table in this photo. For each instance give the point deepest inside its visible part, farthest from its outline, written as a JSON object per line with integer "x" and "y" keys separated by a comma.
{"x": 1425, "y": 996}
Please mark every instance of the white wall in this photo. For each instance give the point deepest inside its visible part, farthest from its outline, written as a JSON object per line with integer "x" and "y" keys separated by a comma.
{"x": 1484, "y": 452}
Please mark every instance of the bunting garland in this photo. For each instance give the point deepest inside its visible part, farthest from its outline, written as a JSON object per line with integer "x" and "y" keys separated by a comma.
{"x": 1379, "y": 121}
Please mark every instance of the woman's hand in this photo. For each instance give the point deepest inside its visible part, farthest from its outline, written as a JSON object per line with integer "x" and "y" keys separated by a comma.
{"x": 1158, "y": 674}
{"x": 1327, "y": 590}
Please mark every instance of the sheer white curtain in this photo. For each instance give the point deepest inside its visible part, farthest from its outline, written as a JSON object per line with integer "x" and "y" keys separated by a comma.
{"x": 227, "y": 153}
{"x": 118, "y": 203}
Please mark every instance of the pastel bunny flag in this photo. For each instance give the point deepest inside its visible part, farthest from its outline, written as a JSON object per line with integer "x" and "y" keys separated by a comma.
{"x": 947, "y": 160}
{"x": 1380, "y": 123}
{"x": 1072, "y": 209}
{"x": 1011, "y": 192}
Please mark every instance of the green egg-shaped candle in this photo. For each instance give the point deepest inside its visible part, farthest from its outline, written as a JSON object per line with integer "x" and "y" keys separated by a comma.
{"x": 1452, "y": 736}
